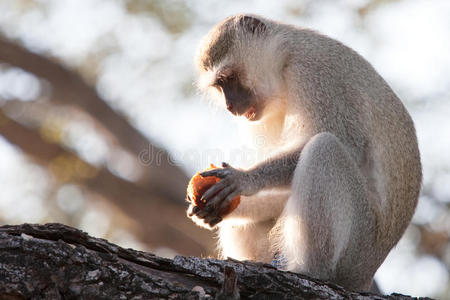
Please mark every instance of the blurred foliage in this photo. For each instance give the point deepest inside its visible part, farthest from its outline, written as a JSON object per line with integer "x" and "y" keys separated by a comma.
{"x": 174, "y": 14}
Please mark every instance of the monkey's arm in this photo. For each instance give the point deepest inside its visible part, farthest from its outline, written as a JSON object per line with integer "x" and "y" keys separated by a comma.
{"x": 276, "y": 171}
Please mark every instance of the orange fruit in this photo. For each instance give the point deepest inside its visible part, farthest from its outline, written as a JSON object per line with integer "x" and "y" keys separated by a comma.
{"x": 198, "y": 185}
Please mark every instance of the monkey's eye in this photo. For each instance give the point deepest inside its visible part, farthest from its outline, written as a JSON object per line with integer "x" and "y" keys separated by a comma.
{"x": 222, "y": 79}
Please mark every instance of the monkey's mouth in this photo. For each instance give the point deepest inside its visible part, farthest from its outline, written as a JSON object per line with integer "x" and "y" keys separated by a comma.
{"x": 251, "y": 113}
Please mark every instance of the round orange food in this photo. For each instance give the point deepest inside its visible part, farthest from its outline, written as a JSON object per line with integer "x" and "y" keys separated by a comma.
{"x": 198, "y": 185}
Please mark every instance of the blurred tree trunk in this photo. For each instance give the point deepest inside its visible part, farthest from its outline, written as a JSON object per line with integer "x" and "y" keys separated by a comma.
{"x": 161, "y": 223}
{"x": 162, "y": 176}
{"x": 54, "y": 261}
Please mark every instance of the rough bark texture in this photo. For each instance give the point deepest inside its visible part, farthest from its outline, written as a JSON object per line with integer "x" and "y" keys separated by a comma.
{"x": 55, "y": 261}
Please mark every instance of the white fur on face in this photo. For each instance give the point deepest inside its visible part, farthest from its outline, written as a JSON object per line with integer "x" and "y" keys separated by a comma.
{"x": 210, "y": 93}
{"x": 253, "y": 57}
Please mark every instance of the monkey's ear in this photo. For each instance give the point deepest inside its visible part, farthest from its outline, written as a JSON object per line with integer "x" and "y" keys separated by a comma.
{"x": 252, "y": 24}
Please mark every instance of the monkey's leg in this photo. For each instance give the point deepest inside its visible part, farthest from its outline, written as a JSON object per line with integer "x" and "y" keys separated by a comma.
{"x": 247, "y": 242}
{"x": 244, "y": 234}
{"x": 327, "y": 228}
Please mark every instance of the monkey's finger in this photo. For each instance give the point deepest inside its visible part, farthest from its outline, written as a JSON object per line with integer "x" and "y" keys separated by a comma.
{"x": 210, "y": 173}
{"x": 203, "y": 214}
{"x": 225, "y": 165}
{"x": 213, "y": 190}
{"x": 211, "y": 208}
{"x": 215, "y": 201}
{"x": 209, "y": 211}
{"x": 207, "y": 215}
{"x": 227, "y": 200}
{"x": 215, "y": 221}
{"x": 220, "y": 173}
{"x": 193, "y": 210}
{"x": 210, "y": 218}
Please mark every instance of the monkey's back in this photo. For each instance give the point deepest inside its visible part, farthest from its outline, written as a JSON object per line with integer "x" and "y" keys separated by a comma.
{"x": 393, "y": 160}
{"x": 368, "y": 117}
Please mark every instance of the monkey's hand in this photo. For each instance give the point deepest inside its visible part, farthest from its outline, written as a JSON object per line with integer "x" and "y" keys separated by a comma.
{"x": 202, "y": 222}
{"x": 233, "y": 182}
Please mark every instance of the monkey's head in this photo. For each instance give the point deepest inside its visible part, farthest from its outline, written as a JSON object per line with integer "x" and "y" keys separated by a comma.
{"x": 239, "y": 62}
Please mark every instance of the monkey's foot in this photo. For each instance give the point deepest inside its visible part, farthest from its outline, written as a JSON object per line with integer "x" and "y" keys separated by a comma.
{"x": 279, "y": 261}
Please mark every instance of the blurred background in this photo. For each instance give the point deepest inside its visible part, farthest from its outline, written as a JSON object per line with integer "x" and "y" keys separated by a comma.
{"x": 101, "y": 126}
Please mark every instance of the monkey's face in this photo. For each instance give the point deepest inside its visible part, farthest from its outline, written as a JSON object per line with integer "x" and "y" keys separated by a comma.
{"x": 229, "y": 61}
{"x": 239, "y": 99}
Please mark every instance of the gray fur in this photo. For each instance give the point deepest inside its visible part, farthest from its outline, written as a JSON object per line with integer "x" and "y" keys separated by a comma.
{"x": 344, "y": 173}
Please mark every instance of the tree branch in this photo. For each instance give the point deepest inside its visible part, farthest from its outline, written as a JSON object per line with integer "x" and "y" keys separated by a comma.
{"x": 54, "y": 261}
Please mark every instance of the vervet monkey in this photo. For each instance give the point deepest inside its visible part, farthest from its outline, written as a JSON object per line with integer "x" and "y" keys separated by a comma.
{"x": 342, "y": 179}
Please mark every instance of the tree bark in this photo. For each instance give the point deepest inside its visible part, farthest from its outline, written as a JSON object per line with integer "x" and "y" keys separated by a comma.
{"x": 54, "y": 261}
